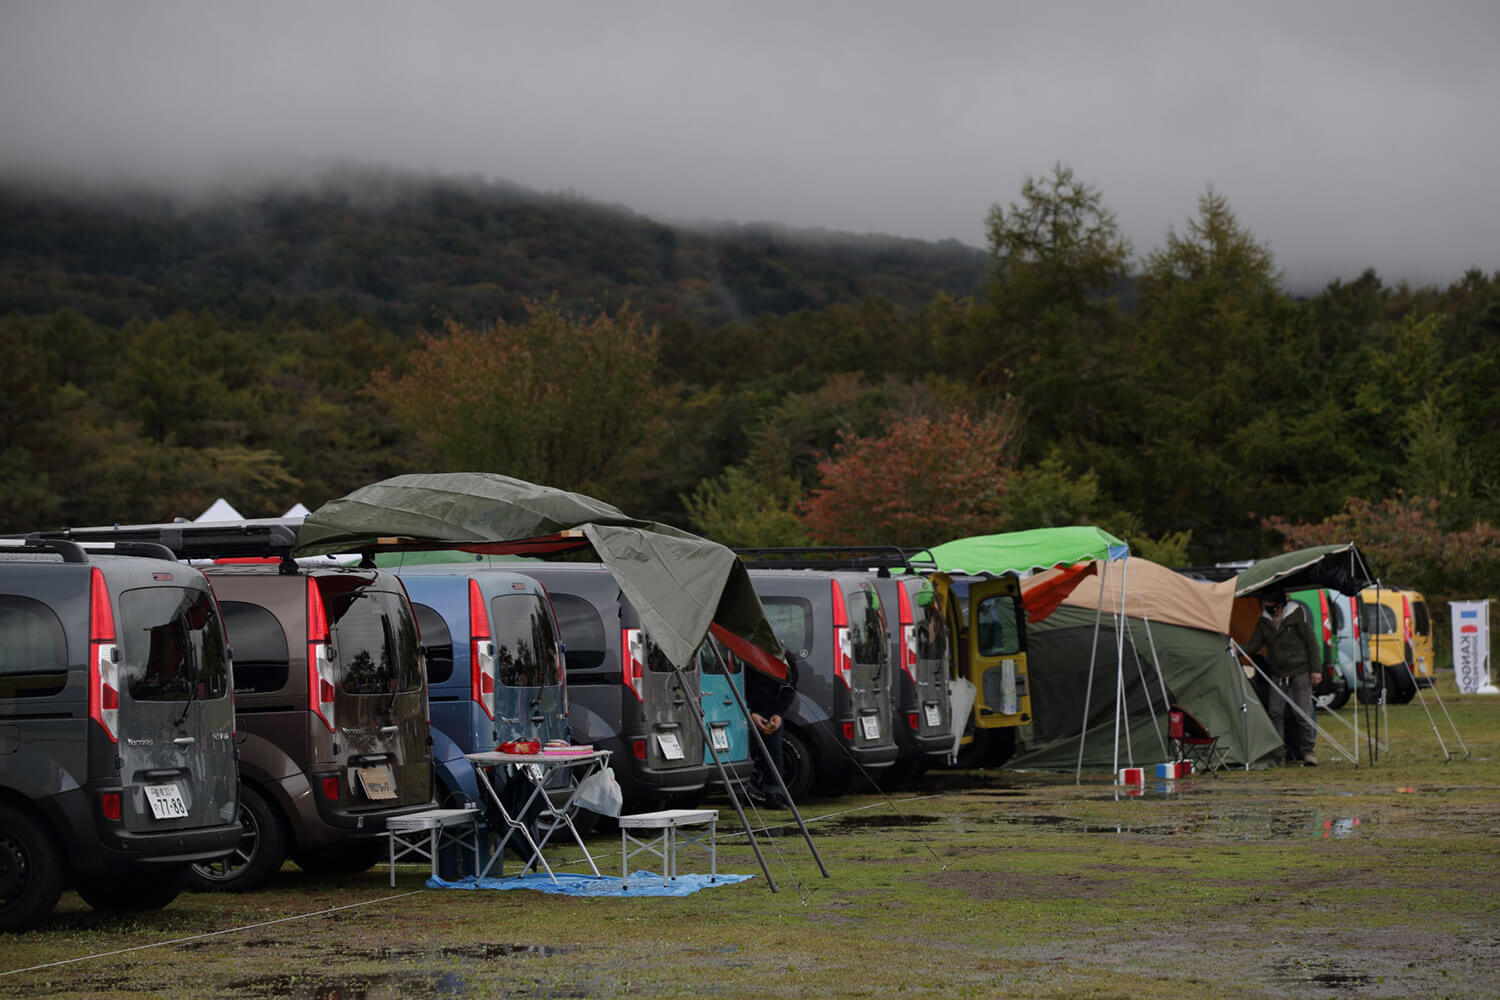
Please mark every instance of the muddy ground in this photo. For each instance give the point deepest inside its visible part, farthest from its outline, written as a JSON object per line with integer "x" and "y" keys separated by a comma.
{"x": 1381, "y": 880}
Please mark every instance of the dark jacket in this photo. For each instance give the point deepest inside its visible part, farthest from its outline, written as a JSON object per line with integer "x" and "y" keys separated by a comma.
{"x": 765, "y": 695}
{"x": 1291, "y": 645}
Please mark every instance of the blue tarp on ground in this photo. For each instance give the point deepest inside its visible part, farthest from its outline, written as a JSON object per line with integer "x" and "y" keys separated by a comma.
{"x": 641, "y": 883}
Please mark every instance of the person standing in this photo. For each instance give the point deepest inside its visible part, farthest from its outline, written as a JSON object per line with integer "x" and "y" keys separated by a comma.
{"x": 1284, "y": 635}
{"x": 768, "y": 700}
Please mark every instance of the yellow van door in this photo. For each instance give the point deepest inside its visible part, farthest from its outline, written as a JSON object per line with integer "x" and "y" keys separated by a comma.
{"x": 996, "y": 653}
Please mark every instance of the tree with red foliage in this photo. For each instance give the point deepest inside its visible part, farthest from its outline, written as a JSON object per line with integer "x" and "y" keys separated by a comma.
{"x": 924, "y": 481}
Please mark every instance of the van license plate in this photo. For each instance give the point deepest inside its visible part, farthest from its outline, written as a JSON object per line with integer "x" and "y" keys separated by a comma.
{"x": 934, "y": 715}
{"x": 378, "y": 782}
{"x": 721, "y": 737}
{"x": 871, "y": 726}
{"x": 166, "y": 802}
{"x": 670, "y": 747}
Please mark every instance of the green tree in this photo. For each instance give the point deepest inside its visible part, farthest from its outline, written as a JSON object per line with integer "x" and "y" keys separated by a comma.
{"x": 1049, "y": 337}
{"x": 553, "y": 400}
{"x": 739, "y": 509}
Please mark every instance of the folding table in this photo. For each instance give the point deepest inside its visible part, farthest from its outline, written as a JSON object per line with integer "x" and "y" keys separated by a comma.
{"x": 535, "y": 769}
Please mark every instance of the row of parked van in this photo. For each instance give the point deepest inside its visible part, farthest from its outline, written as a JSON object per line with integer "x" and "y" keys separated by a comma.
{"x": 188, "y": 706}
{"x": 1377, "y": 644}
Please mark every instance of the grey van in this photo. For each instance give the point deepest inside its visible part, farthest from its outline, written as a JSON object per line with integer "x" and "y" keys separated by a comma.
{"x": 117, "y": 762}
{"x": 922, "y": 660}
{"x": 623, "y": 693}
{"x": 840, "y": 723}
{"x": 330, "y": 697}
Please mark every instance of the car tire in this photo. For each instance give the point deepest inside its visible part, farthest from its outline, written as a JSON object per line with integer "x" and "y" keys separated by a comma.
{"x": 1399, "y": 687}
{"x": 1369, "y": 694}
{"x": 797, "y": 769}
{"x": 133, "y": 891}
{"x": 31, "y": 870}
{"x": 259, "y": 855}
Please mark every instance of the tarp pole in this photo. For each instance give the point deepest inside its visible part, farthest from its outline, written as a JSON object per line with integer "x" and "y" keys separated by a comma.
{"x": 1088, "y": 691}
{"x": 780, "y": 782}
{"x": 708, "y": 741}
{"x": 1166, "y": 705}
{"x": 1120, "y": 709}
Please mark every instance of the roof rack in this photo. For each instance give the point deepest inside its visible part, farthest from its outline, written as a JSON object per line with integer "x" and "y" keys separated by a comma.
{"x": 881, "y": 558}
{"x": 268, "y": 537}
{"x": 77, "y": 551}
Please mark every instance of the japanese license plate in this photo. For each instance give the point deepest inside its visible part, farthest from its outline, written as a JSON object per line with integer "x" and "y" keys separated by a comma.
{"x": 720, "y": 736}
{"x": 378, "y": 782}
{"x": 934, "y": 715}
{"x": 166, "y": 802}
{"x": 870, "y": 724}
{"x": 671, "y": 748}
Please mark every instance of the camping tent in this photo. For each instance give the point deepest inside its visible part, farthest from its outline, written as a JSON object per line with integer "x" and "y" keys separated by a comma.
{"x": 683, "y": 586}
{"x": 1169, "y": 620}
{"x": 1336, "y": 567}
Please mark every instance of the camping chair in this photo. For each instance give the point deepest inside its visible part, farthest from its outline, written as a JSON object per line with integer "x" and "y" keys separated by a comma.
{"x": 1192, "y": 743}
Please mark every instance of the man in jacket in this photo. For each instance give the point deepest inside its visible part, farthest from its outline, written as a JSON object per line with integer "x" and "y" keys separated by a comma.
{"x": 1284, "y": 636}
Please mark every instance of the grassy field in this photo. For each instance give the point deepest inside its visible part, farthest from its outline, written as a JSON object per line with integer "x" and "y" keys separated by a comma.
{"x": 1381, "y": 880}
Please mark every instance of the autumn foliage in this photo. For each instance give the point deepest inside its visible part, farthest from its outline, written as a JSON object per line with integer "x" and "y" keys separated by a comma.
{"x": 924, "y": 481}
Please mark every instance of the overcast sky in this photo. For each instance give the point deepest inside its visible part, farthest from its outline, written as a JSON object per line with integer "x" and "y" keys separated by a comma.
{"x": 1348, "y": 134}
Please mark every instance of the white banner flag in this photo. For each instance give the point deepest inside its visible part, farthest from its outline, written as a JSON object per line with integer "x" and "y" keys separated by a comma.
{"x": 1471, "y": 644}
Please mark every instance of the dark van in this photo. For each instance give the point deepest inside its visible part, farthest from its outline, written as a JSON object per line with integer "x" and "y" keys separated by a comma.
{"x": 494, "y": 666}
{"x": 840, "y": 722}
{"x": 330, "y": 695}
{"x": 116, "y": 728}
{"x": 922, "y": 659}
{"x": 623, "y": 693}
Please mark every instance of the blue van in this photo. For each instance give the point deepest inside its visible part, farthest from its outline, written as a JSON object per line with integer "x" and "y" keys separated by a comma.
{"x": 720, "y": 676}
{"x": 494, "y": 666}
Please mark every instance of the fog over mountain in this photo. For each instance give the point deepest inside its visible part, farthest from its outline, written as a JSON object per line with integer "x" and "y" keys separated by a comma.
{"x": 1346, "y": 134}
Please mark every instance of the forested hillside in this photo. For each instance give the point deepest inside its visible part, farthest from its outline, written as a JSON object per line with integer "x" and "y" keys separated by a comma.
{"x": 760, "y": 386}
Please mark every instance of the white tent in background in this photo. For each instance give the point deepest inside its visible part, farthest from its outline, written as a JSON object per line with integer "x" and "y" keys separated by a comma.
{"x": 219, "y": 510}
{"x": 298, "y": 510}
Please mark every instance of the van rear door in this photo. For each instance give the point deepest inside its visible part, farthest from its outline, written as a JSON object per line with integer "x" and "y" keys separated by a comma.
{"x": 870, "y": 677}
{"x": 176, "y": 716}
{"x": 996, "y": 653}
{"x": 381, "y": 704}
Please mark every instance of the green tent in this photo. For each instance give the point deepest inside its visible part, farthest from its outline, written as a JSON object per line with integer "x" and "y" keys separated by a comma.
{"x": 682, "y": 585}
{"x": 1336, "y": 567}
{"x": 1196, "y": 668}
{"x": 1022, "y": 551}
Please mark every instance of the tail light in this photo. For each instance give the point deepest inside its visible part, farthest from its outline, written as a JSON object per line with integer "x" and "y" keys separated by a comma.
{"x": 320, "y": 680}
{"x": 633, "y": 662}
{"x": 914, "y": 720}
{"x": 481, "y": 652}
{"x": 111, "y": 804}
{"x": 104, "y": 660}
{"x": 1359, "y": 652}
{"x": 908, "y": 632}
{"x": 638, "y": 749}
{"x": 1406, "y": 630}
{"x": 1323, "y": 611}
{"x": 843, "y": 653}
{"x": 331, "y": 788}
{"x": 848, "y": 732}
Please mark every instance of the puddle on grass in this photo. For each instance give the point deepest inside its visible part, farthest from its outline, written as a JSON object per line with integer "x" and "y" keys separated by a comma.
{"x": 1234, "y": 825}
{"x": 379, "y": 986}
{"x": 484, "y": 950}
{"x": 1323, "y": 975}
{"x": 881, "y": 821}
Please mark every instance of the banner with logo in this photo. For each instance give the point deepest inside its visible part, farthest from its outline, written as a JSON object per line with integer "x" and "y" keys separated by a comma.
{"x": 1471, "y": 644}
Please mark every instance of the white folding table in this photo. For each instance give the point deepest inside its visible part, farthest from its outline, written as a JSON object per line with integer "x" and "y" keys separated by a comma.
{"x": 535, "y": 769}
{"x": 426, "y": 833}
{"x": 671, "y": 829}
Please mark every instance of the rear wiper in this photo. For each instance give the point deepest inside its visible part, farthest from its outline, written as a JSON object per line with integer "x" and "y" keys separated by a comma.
{"x": 197, "y": 682}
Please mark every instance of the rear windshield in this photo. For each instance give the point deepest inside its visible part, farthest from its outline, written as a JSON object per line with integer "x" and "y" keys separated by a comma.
{"x": 1376, "y": 619}
{"x": 713, "y": 658}
{"x": 998, "y": 626}
{"x": 791, "y": 619}
{"x": 869, "y": 643}
{"x": 656, "y": 660}
{"x": 582, "y": 633}
{"x": 437, "y": 643}
{"x": 261, "y": 658}
{"x": 525, "y": 643}
{"x": 173, "y": 644}
{"x": 932, "y": 632}
{"x": 33, "y": 649}
{"x": 374, "y": 637}
{"x": 1419, "y": 621}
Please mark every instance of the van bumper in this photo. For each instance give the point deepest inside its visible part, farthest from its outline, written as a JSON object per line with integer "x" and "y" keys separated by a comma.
{"x": 94, "y": 849}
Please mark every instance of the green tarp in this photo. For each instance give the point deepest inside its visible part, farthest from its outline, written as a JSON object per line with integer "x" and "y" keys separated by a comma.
{"x": 1336, "y": 567}
{"x": 679, "y": 583}
{"x": 1198, "y": 671}
{"x": 1022, "y": 551}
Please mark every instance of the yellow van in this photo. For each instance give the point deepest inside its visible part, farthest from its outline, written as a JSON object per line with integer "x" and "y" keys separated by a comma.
{"x": 1397, "y": 632}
